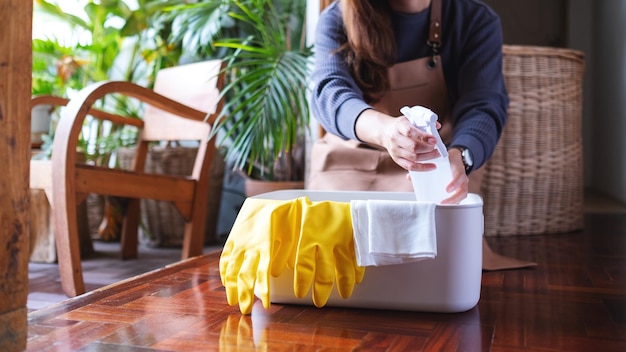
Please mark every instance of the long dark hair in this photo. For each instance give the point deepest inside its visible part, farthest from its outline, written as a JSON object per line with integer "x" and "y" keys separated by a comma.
{"x": 371, "y": 47}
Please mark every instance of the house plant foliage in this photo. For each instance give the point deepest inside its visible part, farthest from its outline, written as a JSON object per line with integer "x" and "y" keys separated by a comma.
{"x": 266, "y": 115}
{"x": 267, "y": 106}
{"x": 108, "y": 40}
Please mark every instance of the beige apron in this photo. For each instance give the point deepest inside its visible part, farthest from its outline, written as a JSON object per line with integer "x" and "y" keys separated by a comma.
{"x": 354, "y": 166}
{"x": 337, "y": 164}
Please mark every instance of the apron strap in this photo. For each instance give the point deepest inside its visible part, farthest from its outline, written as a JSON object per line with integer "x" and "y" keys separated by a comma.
{"x": 434, "y": 33}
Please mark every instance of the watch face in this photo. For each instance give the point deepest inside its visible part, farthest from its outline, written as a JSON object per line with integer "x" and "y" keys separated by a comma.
{"x": 467, "y": 158}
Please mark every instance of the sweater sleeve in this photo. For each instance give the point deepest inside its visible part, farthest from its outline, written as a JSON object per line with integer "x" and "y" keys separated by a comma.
{"x": 480, "y": 108}
{"x": 336, "y": 100}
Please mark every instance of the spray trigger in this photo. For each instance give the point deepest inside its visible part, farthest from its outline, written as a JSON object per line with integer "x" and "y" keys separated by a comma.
{"x": 426, "y": 120}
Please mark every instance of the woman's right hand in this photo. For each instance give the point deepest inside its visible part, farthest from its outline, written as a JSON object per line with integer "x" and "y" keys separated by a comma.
{"x": 407, "y": 145}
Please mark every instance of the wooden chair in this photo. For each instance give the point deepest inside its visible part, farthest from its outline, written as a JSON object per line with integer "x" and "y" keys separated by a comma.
{"x": 182, "y": 107}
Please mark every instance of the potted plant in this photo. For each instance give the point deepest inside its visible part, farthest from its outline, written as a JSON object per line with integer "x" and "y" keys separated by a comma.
{"x": 266, "y": 115}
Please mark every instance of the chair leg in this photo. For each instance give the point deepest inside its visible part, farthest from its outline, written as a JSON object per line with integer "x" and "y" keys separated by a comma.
{"x": 193, "y": 242}
{"x": 129, "y": 240}
{"x": 68, "y": 246}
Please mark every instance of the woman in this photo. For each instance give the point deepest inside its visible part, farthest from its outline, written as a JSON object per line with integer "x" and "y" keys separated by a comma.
{"x": 375, "y": 56}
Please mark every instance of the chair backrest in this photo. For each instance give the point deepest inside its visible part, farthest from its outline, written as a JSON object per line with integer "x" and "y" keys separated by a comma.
{"x": 194, "y": 85}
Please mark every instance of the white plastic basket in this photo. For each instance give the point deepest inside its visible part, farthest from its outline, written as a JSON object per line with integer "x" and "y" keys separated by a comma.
{"x": 449, "y": 283}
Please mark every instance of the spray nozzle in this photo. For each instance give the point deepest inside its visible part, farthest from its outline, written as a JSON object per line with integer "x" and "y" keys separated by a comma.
{"x": 426, "y": 120}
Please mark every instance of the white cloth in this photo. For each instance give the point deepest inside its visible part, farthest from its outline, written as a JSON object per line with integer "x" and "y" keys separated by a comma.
{"x": 390, "y": 232}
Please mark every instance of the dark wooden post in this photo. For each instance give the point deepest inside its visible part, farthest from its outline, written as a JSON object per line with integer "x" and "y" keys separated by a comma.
{"x": 15, "y": 90}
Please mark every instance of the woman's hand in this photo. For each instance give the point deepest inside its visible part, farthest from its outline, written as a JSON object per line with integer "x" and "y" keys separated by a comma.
{"x": 407, "y": 145}
{"x": 410, "y": 147}
{"x": 459, "y": 186}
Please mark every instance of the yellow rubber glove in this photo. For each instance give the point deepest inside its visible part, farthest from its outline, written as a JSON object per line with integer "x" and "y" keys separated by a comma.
{"x": 326, "y": 251}
{"x": 261, "y": 242}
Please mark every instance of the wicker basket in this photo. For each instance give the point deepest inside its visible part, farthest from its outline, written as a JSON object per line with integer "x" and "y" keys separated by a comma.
{"x": 533, "y": 184}
{"x": 162, "y": 224}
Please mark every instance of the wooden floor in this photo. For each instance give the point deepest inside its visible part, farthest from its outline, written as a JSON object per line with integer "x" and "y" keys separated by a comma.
{"x": 575, "y": 300}
{"x": 102, "y": 268}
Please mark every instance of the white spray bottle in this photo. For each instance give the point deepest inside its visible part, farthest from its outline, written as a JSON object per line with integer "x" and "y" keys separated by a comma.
{"x": 430, "y": 186}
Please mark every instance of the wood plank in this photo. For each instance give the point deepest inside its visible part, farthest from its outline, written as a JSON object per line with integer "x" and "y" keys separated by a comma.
{"x": 15, "y": 90}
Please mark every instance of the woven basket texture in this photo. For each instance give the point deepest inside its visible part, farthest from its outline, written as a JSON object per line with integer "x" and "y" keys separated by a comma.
{"x": 161, "y": 223}
{"x": 533, "y": 183}
{"x": 95, "y": 213}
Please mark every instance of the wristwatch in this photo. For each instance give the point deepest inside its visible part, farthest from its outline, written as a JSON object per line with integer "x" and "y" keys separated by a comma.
{"x": 466, "y": 156}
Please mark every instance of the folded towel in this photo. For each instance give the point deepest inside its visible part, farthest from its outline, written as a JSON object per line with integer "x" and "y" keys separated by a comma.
{"x": 390, "y": 232}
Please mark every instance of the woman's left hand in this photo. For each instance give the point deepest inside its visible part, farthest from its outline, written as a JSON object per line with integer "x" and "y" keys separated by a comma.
{"x": 459, "y": 186}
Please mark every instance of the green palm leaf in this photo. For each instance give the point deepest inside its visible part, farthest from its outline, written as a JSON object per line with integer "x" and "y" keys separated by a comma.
{"x": 266, "y": 110}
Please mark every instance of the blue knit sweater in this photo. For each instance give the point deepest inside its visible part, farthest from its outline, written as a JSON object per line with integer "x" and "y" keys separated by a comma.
{"x": 472, "y": 62}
